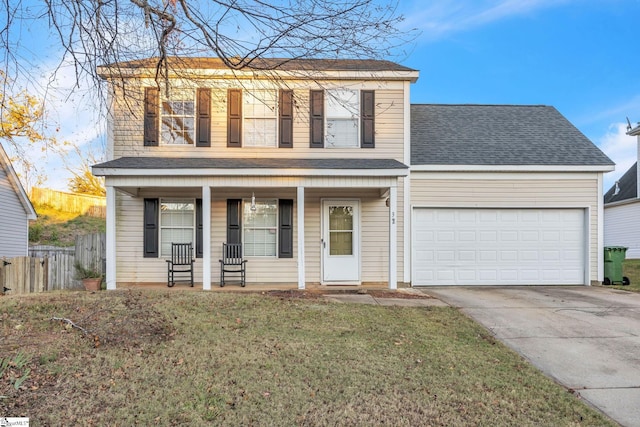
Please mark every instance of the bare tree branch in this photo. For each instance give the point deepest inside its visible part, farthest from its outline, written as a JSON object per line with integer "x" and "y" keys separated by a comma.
{"x": 71, "y": 323}
{"x": 100, "y": 32}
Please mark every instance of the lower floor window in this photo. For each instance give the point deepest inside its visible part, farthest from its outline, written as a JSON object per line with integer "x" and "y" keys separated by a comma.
{"x": 260, "y": 228}
{"x": 177, "y": 223}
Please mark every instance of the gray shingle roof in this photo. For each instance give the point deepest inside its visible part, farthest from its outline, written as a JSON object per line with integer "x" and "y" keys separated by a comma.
{"x": 240, "y": 163}
{"x": 628, "y": 185}
{"x": 498, "y": 135}
{"x": 283, "y": 64}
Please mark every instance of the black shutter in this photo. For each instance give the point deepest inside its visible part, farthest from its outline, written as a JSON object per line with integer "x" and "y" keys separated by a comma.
{"x": 199, "y": 229}
{"x": 151, "y": 212}
{"x": 286, "y": 119}
{"x": 285, "y": 228}
{"x": 234, "y": 221}
{"x": 203, "y": 119}
{"x": 367, "y": 119}
{"x": 316, "y": 118}
{"x": 234, "y": 118}
{"x": 151, "y": 116}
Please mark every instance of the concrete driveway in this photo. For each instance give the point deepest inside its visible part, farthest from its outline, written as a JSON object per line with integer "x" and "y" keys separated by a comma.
{"x": 586, "y": 338}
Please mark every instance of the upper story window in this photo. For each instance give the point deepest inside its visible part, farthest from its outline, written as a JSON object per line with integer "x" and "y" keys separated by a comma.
{"x": 181, "y": 117}
{"x": 260, "y": 118}
{"x": 178, "y": 117}
{"x": 342, "y": 118}
{"x": 343, "y": 110}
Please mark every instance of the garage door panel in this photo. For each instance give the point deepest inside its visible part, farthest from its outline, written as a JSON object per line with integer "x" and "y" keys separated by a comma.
{"x": 509, "y": 236}
{"x": 488, "y": 256}
{"x": 467, "y": 236}
{"x": 528, "y": 256}
{"x": 445, "y": 236}
{"x": 498, "y": 246}
{"x": 508, "y": 255}
{"x": 467, "y": 256}
{"x": 445, "y": 275}
{"x": 530, "y": 236}
{"x": 509, "y": 275}
{"x": 554, "y": 256}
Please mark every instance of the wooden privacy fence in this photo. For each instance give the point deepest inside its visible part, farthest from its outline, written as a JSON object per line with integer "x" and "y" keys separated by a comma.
{"x": 70, "y": 202}
{"x": 60, "y": 266}
{"x": 23, "y": 275}
{"x": 51, "y": 268}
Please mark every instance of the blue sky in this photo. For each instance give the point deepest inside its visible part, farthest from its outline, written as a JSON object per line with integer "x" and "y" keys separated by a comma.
{"x": 576, "y": 55}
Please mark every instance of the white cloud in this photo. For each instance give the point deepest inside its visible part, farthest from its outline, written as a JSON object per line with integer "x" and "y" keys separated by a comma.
{"x": 444, "y": 17}
{"x": 72, "y": 116}
{"x": 621, "y": 148}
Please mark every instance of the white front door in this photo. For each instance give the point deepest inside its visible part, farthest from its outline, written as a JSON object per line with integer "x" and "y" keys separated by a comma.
{"x": 340, "y": 241}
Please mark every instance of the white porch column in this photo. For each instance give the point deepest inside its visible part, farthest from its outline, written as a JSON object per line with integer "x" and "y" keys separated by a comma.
{"x": 600, "y": 245}
{"x": 300, "y": 204}
{"x": 111, "y": 238}
{"x": 393, "y": 238}
{"x": 206, "y": 238}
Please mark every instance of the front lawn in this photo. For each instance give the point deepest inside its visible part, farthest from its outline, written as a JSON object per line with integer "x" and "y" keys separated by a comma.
{"x": 202, "y": 358}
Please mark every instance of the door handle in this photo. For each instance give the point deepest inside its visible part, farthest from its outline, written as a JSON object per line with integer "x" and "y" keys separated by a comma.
{"x": 324, "y": 244}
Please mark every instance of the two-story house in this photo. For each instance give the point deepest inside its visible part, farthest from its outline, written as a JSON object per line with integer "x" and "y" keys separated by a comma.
{"x": 326, "y": 174}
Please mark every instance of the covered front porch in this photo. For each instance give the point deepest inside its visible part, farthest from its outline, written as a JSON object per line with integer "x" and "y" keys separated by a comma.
{"x": 338, "y": 226}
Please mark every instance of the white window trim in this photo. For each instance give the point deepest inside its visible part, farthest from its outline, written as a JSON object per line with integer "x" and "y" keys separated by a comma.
{"x": 162, "y": 227}
{"x": 354, "y": 116}
{"x": 275, "y": 117}
{"x": 247, "y": 202}
{"x": 163, "y": 98}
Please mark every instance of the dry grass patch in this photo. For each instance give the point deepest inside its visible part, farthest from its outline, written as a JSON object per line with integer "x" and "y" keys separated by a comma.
{"x": 631, "y": 269}
{"x": 194, "y": 358}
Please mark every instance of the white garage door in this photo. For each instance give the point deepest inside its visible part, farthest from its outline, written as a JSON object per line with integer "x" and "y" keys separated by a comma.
{"x": 498, "y": 247}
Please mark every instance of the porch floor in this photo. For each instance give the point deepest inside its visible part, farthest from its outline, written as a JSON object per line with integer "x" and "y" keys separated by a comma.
{"x": 261, "y": 287}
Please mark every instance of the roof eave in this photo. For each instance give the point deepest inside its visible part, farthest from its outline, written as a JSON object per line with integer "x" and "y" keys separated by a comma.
{"x": 17, "y": 186}
{"x": 106, "y": 73}
{"x": 512, "y": 168}
{"x": 622, "y": 202}
{"x": 299, "y": 172}
{"x": 635, "y": 131}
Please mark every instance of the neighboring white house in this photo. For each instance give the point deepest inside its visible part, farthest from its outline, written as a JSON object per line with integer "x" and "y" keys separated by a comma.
{"x": 15, "y": 211}
{"x": 622, "y": 209}
{"x": 328, "y": 175}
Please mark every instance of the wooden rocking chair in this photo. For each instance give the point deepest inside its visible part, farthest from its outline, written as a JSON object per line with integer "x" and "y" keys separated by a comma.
{"x": 232, "y": 264}
{"x": 181, "y": 262}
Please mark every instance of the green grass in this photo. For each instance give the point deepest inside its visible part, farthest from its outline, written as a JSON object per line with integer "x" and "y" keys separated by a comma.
{"x": 196, "y": 358}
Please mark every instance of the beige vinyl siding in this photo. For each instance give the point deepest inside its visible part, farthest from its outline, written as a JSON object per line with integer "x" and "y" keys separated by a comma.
{"x": 132, "y": 267}
{"x": 13, "y": 221}
{"x": 517, "y": 190}
{"x": 622, "y": 227}
{"x": 259, "y": 269}
{"x": 126, "y": 125}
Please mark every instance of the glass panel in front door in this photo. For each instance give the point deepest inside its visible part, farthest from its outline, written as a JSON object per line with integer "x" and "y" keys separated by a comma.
{"x": 340, "y": 230}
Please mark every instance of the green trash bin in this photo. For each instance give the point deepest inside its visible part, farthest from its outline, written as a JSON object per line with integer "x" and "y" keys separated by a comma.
{"x": 613, "y": 258}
